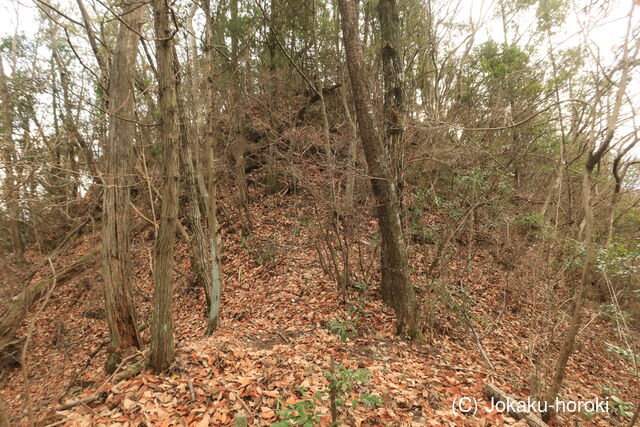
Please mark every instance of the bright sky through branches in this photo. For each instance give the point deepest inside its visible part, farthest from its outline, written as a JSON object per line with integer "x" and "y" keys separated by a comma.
{"x": 606, "y": 34}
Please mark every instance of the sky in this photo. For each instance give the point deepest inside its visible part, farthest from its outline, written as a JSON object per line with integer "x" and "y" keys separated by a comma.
{"x": 17, "y": 15}
{"x": 21, "y": 15}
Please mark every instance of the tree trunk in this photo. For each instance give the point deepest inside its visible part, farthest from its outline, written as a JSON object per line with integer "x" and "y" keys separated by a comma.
{"x": 580, "y": 298}
{"x": 121, "y": 314}
{"x": 595, "y": 155}
{"x": 68, "y": 120}
{"x": 393, "y": 107}
{"x": 393, "y": 90}
{"x": 104, "y": 74}
{"x": 395, "y": 267}
{"x": 619, "y": 171}
{"x": 162, "y": 346}
{"x": 319, "y": 88}
{"x": 214, "y": 246}
{"x": 215, "y": 241}
{"x": 10, "y": 186}
{"x": 562, "y": 161}
{"x": 349, "y": 190}
{"x": 198, "y": 243}
{"x": 615, "y": 201}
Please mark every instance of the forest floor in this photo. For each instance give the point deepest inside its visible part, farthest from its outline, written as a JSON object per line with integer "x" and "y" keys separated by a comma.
{"x": 275, "y": 343}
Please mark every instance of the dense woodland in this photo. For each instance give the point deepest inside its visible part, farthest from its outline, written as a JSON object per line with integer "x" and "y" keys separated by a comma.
{"x": 319, "y": 212}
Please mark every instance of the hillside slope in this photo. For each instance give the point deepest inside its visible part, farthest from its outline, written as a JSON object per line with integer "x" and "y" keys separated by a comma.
{"x": 282, "y": 321}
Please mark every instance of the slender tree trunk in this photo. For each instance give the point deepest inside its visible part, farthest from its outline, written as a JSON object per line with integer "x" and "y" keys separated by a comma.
{"x": 10, "y": 186}
{"x": 349, "y": 191}
{"x": 619, "y": 171}
{"x": 58, "y": 177}
{"x": 162, "y": 346}
{"x": 104, "y": 74}
{"x": 395, "y": 268}
{"x": 215, "y": 245}
{"x": 580, "y": 297}
{"x": 323, "y": 107}
{"x": 350, "y": 184}
{"x": 198, "y": 243}
{"x": 393, "y": 91}
{"x": 198, "y": 76}
{"x": 594, "y": 157}
{"x": 615, "y": 201}
{"x": 68, "y": 120}
{"x": 215, "y": 241}
{"x": 561, "y": 162}
{"x": 393, "y": 108}
{"x": 121, "y": 314}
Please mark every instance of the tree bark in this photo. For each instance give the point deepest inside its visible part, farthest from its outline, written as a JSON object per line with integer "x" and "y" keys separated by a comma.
{"x": 215, "y": 245}
{"x": 349, "y": 190}
{"x": 120, "y": 310}
{"x": 393, "y": 106}
{"x": 390, "y": 32}
{"x": 215, "y": 240}
{"x": 580, "y": 298}
{"x": 619, "y": 171}
{"x": 198, "y": 243}
{"x": 10, "y": 186}
{"x": 162, "y": 346}
{"x": 395, "y": 267}
{"x": 615, "y": 201}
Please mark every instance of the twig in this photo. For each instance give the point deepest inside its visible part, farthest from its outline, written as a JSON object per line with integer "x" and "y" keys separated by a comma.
{"x": 93, "y": 354}
{"x": 98, "y": 392}
{"x": 458, "y": 368}
{"x": 143, "y": 216}
{"x": 333, "y": 392}
{"x": 475, "y": 335}
{"x": 191, "y": 391}
{"x": 73, "y": 403}
{"x": 285, "y": 339}
{"x": 244, "y": 405}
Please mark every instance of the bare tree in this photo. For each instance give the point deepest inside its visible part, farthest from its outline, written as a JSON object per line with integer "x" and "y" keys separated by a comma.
{"x": 198, "y": 243}
{"x": 596, "y": 152}
{"x": 162, "y": 345}
{"x": 392, "y": 69}
{"x": 11, "y": 192}
{"x": 395, "y": 268}
{"x": 121, "y": 314}
{"x": 215, "y": 239}
{"x": 619, "y": 171}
